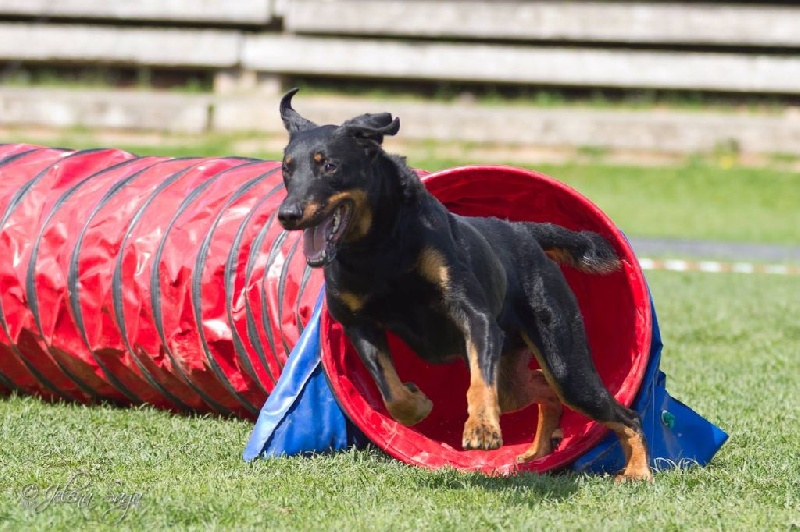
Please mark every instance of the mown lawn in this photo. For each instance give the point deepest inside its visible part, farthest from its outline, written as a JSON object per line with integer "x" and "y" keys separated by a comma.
{"x": 696, "y": 200}
{"x": 732, "y": 353}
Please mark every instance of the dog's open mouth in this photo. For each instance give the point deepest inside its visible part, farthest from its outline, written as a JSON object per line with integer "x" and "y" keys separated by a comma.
{"x": 320, "y": 242}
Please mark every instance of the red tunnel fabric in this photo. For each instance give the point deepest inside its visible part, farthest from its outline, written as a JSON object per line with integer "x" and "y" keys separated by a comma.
{"x": 146, "y": 279}
{"x": 615, "y": 307}
{"x": 168, "y": 281}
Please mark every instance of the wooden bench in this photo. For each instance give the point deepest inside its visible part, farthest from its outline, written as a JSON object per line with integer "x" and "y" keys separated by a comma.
{"x": 216, "y": 12}
{"x": 597, "y": 22}
{"x": 518, "y": 64}
{"x": 58, "y": 43}
{"x": 626, "y": 45}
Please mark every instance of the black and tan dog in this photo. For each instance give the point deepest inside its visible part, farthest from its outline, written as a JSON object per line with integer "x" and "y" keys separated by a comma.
{"x": 450, "y": 286}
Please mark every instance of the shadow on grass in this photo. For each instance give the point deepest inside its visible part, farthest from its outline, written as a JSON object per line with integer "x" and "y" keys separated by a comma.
{"x": 109, "y": 405}
{"x": 378, "y": 468}
{"x": 524, "y": 488}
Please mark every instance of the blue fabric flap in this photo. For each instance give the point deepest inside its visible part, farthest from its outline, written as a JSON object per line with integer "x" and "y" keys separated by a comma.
{"x": 676, "y": 435}
{"x": 301, "y": 414}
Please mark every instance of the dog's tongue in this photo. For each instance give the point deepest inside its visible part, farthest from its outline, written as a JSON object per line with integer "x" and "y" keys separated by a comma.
{"x": 315, "y": 239}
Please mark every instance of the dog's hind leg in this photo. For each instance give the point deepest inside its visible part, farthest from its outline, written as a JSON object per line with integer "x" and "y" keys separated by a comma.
{"x": 520, "y": 387}
{"x": 405, "y": 402}
{"x": 567, "y": 364}
{"x": 516, "y": 386}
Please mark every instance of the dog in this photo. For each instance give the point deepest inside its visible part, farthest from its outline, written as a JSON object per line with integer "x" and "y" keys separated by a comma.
{"x": 486, "y": 290}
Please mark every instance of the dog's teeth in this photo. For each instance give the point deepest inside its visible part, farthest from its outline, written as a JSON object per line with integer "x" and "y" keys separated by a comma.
{"x": 335, "y": 221}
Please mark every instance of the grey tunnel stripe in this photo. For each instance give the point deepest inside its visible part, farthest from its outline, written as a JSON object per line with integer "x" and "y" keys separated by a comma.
{"x": 252, "y": 331}
{"x": 74, "y": 286}
{"x": 117, "y": 292}
{"x": 10, "y": 208}
{"x": 155, "y": 288}
{"x": 30, "y": 281}
{"x": 230, "y": 275}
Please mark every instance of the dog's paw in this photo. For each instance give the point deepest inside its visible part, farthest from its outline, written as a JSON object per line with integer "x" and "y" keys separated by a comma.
{"x": 481, "y": 434}
{"x": 541, "y": 447}
{"x": 412, "y": 408}
{"x": 642, "y": 474}
{"x": 534, "y": 454}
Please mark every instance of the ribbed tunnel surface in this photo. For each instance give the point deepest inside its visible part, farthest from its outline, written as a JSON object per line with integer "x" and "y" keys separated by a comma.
{"x": 169, "y": 281}
{"x": 146, "y": 279}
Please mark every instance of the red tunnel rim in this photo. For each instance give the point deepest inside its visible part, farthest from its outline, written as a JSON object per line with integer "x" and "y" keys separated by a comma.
{"x": 407, "y": 445}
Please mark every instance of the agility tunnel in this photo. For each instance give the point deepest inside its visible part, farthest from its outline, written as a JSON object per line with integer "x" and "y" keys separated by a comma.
{"x": 168, "y": 281}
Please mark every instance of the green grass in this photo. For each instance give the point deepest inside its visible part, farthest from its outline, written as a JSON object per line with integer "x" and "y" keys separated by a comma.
{"x": 696, "y": 200}
{"x": 209, "y": 145}
{"x": 699, "y": 199}
{"x": 505, "y": 95}
{"x": 732, "y": 354}
{"x": 693, "y": 201}
{"x": 103, "y": 77}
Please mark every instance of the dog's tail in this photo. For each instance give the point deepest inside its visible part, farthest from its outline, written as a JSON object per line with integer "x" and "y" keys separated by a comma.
{"x": 586, "y": 251}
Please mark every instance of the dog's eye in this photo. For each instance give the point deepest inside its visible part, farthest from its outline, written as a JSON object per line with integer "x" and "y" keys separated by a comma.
{"x": 329, "y": 167}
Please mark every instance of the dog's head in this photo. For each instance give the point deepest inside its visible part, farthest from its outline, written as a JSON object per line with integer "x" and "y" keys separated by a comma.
{"x": 326, "y": 171}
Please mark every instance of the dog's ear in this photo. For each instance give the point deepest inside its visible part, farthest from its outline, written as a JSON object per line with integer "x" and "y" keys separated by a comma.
{"x": 372, "y": 127}
{"x": 292, "y": 120}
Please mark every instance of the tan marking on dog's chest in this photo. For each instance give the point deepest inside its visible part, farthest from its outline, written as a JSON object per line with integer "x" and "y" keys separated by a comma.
{"x": 352, "y": 301}
{"x": 433, "y": 267}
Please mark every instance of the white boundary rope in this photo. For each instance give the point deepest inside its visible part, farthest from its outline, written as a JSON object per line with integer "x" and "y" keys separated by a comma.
{"x": 716, "y": 267}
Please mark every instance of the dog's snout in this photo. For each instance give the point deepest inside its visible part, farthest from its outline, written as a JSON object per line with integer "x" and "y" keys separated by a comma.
{"x": 289, "y": 213}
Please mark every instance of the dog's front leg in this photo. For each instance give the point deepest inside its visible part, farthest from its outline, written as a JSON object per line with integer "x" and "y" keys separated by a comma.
{"x": 483, "y": 340}
{"x": 405, "y": 402}
{"x": 464, "y": 299}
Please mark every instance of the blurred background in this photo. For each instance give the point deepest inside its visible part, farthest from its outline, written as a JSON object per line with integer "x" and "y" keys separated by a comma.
{"x": 704, "y": 95}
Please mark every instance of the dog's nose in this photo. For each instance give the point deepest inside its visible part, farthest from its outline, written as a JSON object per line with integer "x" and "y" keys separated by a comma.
{"x": 289, "y": 214}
